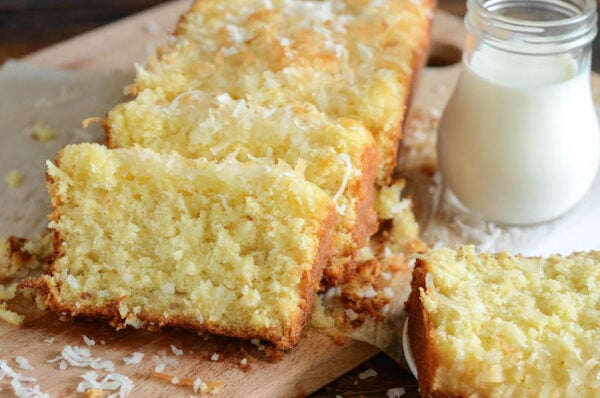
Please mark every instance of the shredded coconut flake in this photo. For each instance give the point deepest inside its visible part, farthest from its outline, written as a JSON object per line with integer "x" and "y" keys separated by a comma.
{"x": 244, "y": 362}
{"x": 429, "y": 281}
{"x": 388, "y": 291}
{"x": 20, "y": 390}
{"x": 367, "y": 373}
{"x": 401, "y": 206}
{"x": 163, "y": 359}
{"x": 395, "y": 392}
{"x": 81, "y": 357}
{"x": 176, "y": 350}
{"x": 197, "y": 385}
{"x": 134, "y": 358}
{"x": 175, "y": 380}
{"x": 49, "y": 340}
{"x": 214, "y": 357}
{"x": 6, "y": 370}
{"x": 346, "y": 159}
{"x": 121, "y": 384}
{"x": 23, "y": 363}
{"x": 351, "y": 314}
{"x": 89, "y": 342}
{"x": 224, "y": 98}
{"x": 27, "y": 392}
{"x": 160, "y": 368}
{"x": 175, "y": 103}
{"x": 169, "y": 288}
{"x": 367, "y": 292}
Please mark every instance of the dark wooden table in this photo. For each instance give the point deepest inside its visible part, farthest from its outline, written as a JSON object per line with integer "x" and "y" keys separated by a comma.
{"x": 28, "y": 25}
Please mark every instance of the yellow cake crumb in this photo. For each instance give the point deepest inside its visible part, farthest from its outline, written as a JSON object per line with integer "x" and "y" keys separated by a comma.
{"x": 9, "y": 316}
{"x": 14, "y": 179}
{"x": 40, "y": 131}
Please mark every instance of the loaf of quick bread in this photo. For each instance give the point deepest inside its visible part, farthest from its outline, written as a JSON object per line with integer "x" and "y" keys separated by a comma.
{"x": 198, "y": 215}
{"x": 350, "y": 58}
{"x": 151, "y": 240}
{"x": 341, "y": 156}
{"x": 506, "y": 326}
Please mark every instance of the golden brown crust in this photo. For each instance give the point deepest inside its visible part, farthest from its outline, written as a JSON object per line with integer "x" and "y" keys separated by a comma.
{"x": 49, "y": 291}
{"x": 365, "y": 193}
{"x": 420, "y": 57}
{"x": 311, "y": 280}
{"x": 418, "y": 332}
{"x": 418, "y": 62}
{"x": 366, "y": 219}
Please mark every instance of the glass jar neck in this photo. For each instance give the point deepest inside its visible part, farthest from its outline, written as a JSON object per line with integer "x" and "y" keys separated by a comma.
{"x": 532, "y": 27}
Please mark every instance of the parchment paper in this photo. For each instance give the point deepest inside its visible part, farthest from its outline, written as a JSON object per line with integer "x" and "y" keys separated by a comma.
{"x": 59, "y": 100}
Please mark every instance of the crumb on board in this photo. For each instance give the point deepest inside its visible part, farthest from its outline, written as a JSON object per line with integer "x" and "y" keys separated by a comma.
{"x": 10, "y": 316}
{"x": 197, "y": 384}
{"x": 367, "y": 373}
{"x": 134, "y": 358}
{"x": 17, "y": 380}
{"x": 14, "y": 179}
{"x": 121, "y": 384}
{"x": 23, "y": 362}
{"x": 395, "y": 392}
{"x": 21, "y": 257}
{"x": 94, "y": 393}
{"x": 89, "y": 342}
{"x": 40, "y": 131}
{"x": 178, "y": 352}
{"x": 86, "y": 122}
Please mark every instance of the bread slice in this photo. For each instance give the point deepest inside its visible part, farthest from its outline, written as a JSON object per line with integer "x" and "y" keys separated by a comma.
{"x": 341, "y": 156}
{"x": 350, "y": 58}
{"x": 154, "y": 240}
{"x": 506, "y": 326}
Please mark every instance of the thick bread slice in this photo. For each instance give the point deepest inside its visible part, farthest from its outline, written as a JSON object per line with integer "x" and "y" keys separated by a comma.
{"x": 506, "y": 326}
{"x": 153, "y": 240}
{"x": 341, "y": 156}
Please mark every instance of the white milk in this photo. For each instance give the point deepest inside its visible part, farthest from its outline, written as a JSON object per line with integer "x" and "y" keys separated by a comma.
{"x": 519, "y": 145}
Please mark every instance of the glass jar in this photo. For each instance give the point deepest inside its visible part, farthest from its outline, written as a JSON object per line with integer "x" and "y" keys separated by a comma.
{"x": 518, "y": 142}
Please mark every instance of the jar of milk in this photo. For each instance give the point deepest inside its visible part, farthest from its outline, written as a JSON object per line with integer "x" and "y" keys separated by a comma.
{"x": 518, "y": 142}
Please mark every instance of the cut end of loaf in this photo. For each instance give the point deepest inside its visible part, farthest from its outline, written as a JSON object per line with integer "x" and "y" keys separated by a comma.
{"x": 153, "y": 240}
{"x": 505, "y": 325}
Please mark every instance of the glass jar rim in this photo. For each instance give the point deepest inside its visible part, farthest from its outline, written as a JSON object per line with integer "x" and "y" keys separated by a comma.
{"x": 531, "y": 35}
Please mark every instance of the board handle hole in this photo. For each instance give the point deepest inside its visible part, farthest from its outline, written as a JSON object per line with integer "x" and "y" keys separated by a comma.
{"x": 444, "y": 54}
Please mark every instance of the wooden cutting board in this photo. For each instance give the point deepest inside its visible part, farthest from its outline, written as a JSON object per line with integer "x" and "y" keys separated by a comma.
{"x": 314, "y": 363}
